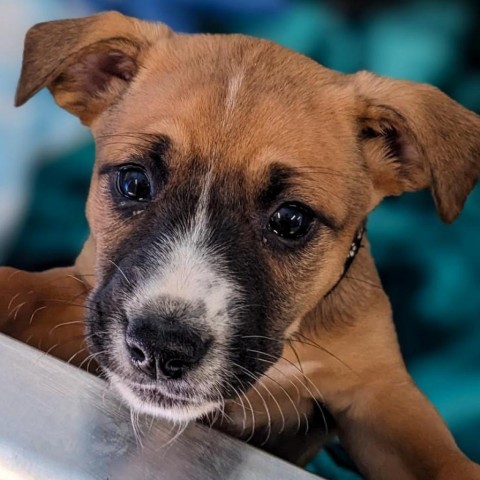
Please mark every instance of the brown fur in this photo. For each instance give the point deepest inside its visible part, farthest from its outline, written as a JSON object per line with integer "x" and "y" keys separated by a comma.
{"x": 354, "y": 139}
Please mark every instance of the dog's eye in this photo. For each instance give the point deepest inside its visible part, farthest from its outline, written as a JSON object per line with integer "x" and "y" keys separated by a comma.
{"x": 133, "y": 183}
{"x": 291, "y": 221}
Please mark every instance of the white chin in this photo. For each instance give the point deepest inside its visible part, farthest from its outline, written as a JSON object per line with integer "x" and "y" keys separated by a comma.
{"x": 180, "y": 413}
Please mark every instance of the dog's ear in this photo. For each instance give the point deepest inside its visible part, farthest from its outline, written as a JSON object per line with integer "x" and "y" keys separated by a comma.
{"x": 86, "y": 63}
{"x": 413, "y": 136}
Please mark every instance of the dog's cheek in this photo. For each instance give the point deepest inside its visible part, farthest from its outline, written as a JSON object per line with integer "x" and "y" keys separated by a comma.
{"x": 292, "y": 287}
{"x": 95, "y": 326}
{"x": 256, "y": 319}
{"x": 104, "y": 319}
{"x": 303, "y": 278}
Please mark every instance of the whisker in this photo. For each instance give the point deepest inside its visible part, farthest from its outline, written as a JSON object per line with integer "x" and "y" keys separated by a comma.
{"x": 307, "y": 423}
{"x": 63, "y": 325}
{"x": 51, "y": 348}
{"x": 251, "y": 409}
{"x": 136, "y": 434}
{"x": 17, "y": 309}
{"x": 12, "y": 300}
{"x": 69, "y": 304}
{"x": 274, "y": 399}
{"x": 279, "y": 385}
{"x": 182, "y": 426}
{"x": 314, "y": 344}
{"x": 244, "y": 422}
{"x": 70, "y": 360}
{"x": 14, "y": 274}
{"x": 121, "y": 271}
{"x": 296, "y": 354}
{"x": 307, "y": 342}
{"x": 308, "y": 390}
{"x": 314, "y": 398}
{"x": 272, "y": 364}
{"x": 44, "y": 354}
{"x": 267, "y": 411}
{"x": 91, "y": 357}
{"x": 79, "y": 280}
{"x": 35, "y": 312}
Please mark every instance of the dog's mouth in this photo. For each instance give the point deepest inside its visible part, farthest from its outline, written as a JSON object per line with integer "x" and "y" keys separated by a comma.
{"x": 157, "y": 401}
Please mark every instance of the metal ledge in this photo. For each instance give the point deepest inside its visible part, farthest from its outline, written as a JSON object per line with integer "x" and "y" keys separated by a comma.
{"x": 60, "y": 423}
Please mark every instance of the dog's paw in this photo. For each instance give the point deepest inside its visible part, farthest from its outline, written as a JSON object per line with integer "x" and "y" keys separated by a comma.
{"x": 45, "y": 310}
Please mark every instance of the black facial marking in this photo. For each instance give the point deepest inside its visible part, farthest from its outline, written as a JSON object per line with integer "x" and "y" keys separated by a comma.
{"x": 252, "y": 316}
{"x": 279, "y": 179}
{"x": 280, "y": 188}
{"x": 155, "y": 155}
{"x": 159, "y": 151}
{"x": 255, "y": 314}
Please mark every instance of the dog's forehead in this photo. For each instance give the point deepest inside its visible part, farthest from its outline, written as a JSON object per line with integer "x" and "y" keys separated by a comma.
{"x": 235, "y": 93}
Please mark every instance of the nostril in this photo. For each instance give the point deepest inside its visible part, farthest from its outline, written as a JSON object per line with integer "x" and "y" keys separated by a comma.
{"x": 175, "y": 367}
{"x": 137, "y": 354}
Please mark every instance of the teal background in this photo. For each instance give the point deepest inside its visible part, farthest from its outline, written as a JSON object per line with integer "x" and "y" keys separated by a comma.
{"x": 430, "y": 270}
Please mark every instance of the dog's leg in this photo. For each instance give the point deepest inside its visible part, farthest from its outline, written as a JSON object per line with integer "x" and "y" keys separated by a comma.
{"x": 394, "y": 432}
{"x": 390, "y": 429}
{"x": 45, "y": 310}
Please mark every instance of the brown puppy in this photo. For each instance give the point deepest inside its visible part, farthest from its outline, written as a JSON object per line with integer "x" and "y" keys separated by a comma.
{"x": 232, "y": 182}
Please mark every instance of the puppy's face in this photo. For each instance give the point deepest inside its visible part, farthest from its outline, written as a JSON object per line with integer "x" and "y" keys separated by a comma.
{"x": 231, "y": 178}
{"x": 223, "y": 206}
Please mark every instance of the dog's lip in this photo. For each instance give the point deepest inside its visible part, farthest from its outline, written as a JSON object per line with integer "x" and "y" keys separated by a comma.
{"x": 160, "y": 397}
{"x": 156, "y": 389}
{"x": 141, "y": 389}
{"x": 154, "y": 402}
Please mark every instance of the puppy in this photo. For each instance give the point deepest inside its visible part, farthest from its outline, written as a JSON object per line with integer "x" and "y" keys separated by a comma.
{"x": 232, "y": 276}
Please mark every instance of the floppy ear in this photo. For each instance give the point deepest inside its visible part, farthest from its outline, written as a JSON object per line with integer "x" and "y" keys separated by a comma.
{"x": 86, "y": 63}
{"x": 413, "y": 136}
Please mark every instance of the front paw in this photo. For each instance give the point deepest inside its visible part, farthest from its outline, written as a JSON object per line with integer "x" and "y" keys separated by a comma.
{"x": 45, "y": 310}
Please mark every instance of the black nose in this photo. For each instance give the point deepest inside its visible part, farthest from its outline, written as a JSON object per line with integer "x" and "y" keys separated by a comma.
{"x": 164, "y": 350}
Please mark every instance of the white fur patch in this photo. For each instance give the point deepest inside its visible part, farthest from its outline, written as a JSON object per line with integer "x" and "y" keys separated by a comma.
{"x": 233, "y": 88}
{"x": 174, "y": 414}
{"x": 189, "y": 270}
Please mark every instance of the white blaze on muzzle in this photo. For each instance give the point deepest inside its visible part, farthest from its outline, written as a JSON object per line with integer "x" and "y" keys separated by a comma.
{"x": 188, "y": 269}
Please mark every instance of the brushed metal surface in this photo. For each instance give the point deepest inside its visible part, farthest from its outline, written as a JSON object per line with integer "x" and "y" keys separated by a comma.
{"x": 60, "y": 423}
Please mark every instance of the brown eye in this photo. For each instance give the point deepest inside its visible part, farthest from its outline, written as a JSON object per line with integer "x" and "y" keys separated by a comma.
{"x": 291, "y": 221}
{"x": 133, "y": 183}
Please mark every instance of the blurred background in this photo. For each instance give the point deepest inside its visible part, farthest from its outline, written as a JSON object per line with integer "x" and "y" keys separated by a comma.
{"x": 431, "y": 271}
